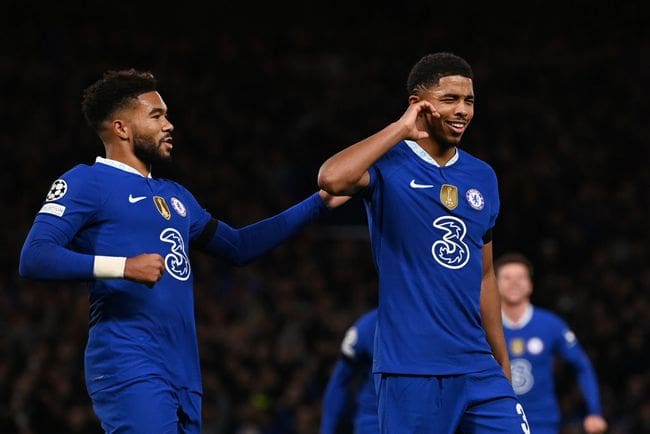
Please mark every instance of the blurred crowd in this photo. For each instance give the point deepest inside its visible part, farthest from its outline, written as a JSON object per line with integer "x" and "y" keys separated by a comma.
{"x": 258, "y": 104}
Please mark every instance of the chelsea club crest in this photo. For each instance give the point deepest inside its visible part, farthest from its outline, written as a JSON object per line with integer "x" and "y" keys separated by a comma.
{"x": 475, "y": 199}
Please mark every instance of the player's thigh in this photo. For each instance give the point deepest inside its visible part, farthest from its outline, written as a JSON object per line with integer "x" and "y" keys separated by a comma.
{"x": 144, "y": 405}
{"x": 498, "y": 416}
{"x": 420, "y": 404}
{"x": 493, "y": 407}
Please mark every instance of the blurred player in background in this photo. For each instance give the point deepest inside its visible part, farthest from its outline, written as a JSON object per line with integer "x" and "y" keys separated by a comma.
{"x": 129, "y": 234}
{"x": 535, "y": 336}
{"x": 351, "y": 385}
{"x": 440, "y": 353}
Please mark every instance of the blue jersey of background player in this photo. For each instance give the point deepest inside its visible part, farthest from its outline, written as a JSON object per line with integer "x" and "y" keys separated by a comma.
{"x": 535, "y": 337}
{"x": 430, "y": 209}
{"x": 351, "y": 385}
{"x": 129, "y": 234}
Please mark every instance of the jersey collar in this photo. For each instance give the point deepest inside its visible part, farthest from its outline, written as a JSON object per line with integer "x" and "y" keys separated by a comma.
{"x": 426, "y": 157}
{"x": 508, "y": 323}
{"x": 119, "y": 165}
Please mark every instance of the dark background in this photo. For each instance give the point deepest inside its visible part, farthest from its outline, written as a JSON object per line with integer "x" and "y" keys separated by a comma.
{"x": 260, "y": 95}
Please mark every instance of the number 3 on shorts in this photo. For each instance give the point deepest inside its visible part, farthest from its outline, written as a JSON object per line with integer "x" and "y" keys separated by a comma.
{"x": 524, "y": 426}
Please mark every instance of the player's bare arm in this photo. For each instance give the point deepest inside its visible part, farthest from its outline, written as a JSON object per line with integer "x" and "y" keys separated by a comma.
{"x": 346, "y": 172}
{"x": 491, "y": 312}
{"x": 147, "y": 268}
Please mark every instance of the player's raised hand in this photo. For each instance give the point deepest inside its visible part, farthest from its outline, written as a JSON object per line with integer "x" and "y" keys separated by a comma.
{"x": 415, "y": 119}
{"x": 147, "y": 268}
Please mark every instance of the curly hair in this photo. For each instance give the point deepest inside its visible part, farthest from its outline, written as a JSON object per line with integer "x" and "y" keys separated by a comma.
{"x": 431, "y": 68}
{"x": 115, "y": 90}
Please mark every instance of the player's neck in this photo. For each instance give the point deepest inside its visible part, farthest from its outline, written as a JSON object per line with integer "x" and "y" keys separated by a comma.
{"x": 515, "y": 312}
{"x": 441, "y": 154}
{"x": 129, "y": 159}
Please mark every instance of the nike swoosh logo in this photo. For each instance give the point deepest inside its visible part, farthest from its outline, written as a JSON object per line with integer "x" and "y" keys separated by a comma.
{"x": 414, "y": 184}
{"x": 136, "y": 199}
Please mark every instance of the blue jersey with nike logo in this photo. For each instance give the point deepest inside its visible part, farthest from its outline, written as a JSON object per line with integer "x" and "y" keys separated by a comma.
{"x": 427, "y": 224}
{"x": 134, "y": 330}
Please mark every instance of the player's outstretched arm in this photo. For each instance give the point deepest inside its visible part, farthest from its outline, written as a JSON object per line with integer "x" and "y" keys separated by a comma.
{"x": 243, "y": 245}
{"x": 346, "y": 172}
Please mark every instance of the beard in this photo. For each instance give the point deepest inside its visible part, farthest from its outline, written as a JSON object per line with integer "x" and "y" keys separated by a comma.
{"x": 443, "y": 141}
{"x": 149, "y": 151}
{"x": 436, "y": 130}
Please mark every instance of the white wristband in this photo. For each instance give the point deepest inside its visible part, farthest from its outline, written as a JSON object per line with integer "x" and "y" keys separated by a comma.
{"x": 109, "y": 267}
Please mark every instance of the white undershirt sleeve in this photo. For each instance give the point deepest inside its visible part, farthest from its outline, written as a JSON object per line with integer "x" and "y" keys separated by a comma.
{"x": 109, "y": 267}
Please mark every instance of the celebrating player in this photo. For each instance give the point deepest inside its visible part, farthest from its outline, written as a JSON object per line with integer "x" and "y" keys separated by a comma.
{"x": 440, "y": 353}
{"x": 129, "y": 234}
{"x": 535, "y": 336}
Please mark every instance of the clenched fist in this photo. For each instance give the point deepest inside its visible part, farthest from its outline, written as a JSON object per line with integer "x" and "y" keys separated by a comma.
{"x": 147, "y": 268}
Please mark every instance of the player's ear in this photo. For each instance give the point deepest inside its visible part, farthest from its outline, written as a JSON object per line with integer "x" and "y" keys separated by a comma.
{"x": 120, "y": 129}
{"x": 413, "y": 99}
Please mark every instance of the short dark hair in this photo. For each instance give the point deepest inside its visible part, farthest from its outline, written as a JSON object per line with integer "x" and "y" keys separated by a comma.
{"x": 513, "y": 258}
{"x": 431, "y": 68}
{"x": 115, "y": 90}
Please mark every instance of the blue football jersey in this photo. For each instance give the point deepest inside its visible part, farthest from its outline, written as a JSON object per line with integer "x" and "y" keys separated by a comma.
{"x": 110, "y": 209}
{"x": 533, "y": 343}
{"x": 427, "y": 225}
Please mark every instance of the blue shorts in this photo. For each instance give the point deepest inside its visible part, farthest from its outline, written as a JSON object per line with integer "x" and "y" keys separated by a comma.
{"x": 477, "y": 403}
{"x": 545, "y": 428}
{"x": 366, "y": 424}
{"x": 148, "y": 405}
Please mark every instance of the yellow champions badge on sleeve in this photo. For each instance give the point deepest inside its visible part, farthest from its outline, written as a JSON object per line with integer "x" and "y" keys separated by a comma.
{"x": 163, "y": 209}
{"x": 449, "y": 196}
